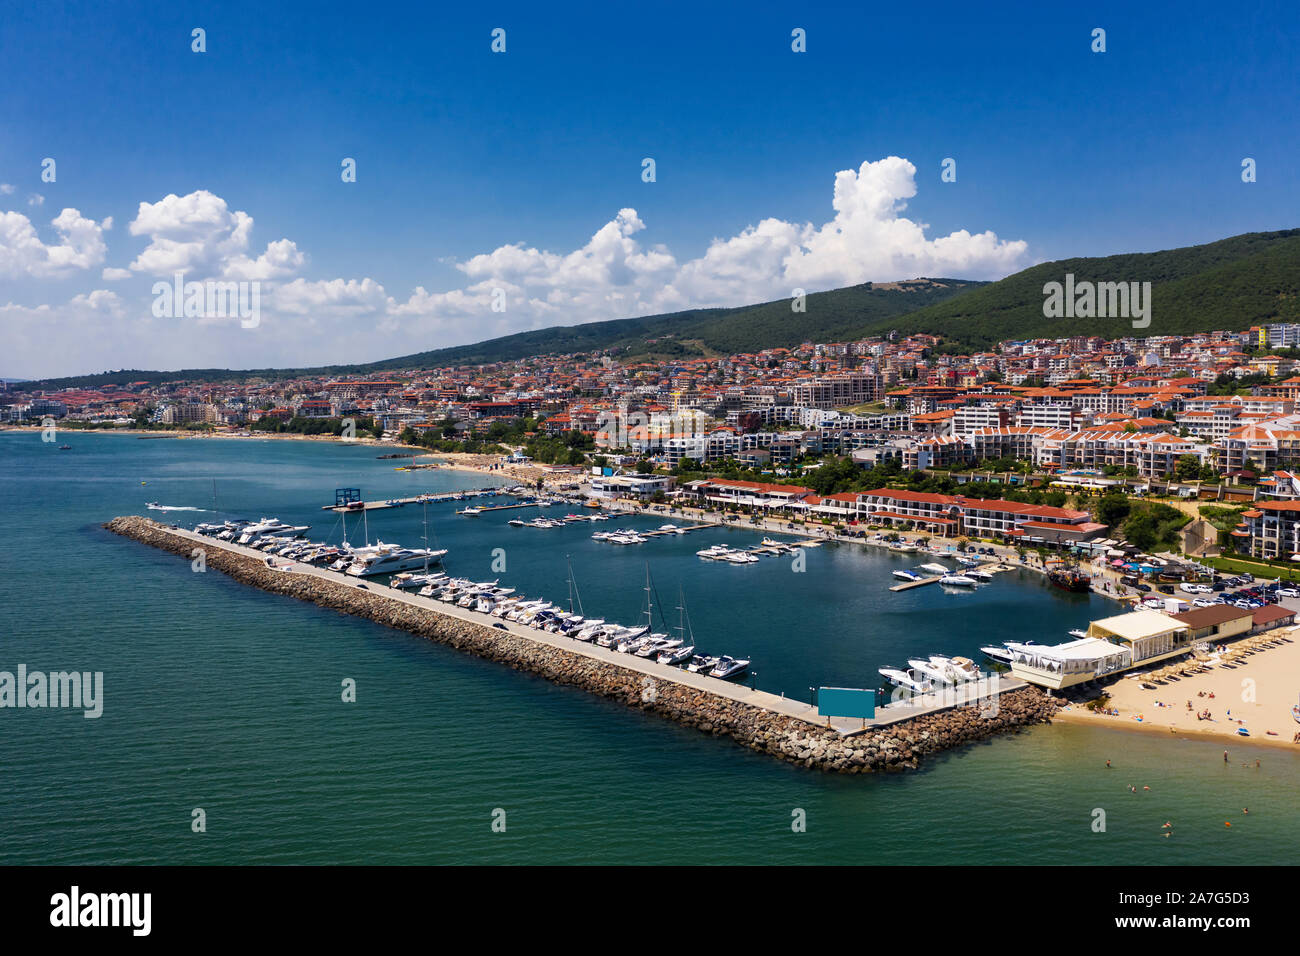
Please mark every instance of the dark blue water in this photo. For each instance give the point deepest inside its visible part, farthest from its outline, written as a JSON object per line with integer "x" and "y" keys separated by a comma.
{"x": 225, "y": 698}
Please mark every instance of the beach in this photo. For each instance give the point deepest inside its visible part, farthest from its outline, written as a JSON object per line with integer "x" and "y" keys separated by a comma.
{"x": 1258, "y": 690}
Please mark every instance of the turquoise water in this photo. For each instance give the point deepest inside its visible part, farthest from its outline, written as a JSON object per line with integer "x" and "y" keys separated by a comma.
{"x": 226, "y": 698}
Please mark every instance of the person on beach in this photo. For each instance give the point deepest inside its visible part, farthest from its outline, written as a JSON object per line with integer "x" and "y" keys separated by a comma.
{"x": 1225, "y": 756}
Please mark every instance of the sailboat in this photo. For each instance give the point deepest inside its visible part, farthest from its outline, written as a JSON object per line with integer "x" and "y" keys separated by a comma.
{"x": 685, "y": 648}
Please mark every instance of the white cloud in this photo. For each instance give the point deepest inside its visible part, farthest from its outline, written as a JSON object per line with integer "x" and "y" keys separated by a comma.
{"x": 199, "y": 235}
{"x": 23, "y": 254}
{"x": 323, "y": 321}
{"x": 35, "y": 199}
{"x": 6, "y": 189}
{"x": 612, "y": 275}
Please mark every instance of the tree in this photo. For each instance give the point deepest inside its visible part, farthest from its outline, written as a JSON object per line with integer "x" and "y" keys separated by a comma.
{"x": 1113, "y": 507}
{"x": 1142, "y": 530}
{"x": 1188, "y": 468}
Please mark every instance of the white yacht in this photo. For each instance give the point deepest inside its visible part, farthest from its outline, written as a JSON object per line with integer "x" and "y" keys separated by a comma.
{"x": 934, "y": 568}
{"x": 269, "y": 527}
{"x": 958, "y": 580}
{"x": 910, "y": 680}
{"x": 728, "y": 668}
{"x": 904, "y": 575}
{"x": 391, "y": 558}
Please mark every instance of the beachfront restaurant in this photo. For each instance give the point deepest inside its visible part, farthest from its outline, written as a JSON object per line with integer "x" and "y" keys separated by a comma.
{"x": 1112, "y": 644}
{"x": 1064, "y": 665}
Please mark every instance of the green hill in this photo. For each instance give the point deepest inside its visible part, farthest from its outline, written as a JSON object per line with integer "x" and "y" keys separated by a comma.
{"x": 1231, "y": 284}
{"x": 832, "y": 315}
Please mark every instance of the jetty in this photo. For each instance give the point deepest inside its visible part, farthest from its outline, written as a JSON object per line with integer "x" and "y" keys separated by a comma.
{"x": 908, "y": 585}
{"x": 782, "y": 727}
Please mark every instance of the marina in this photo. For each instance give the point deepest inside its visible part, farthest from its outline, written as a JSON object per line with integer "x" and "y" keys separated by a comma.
{"x": 711, "y": 679}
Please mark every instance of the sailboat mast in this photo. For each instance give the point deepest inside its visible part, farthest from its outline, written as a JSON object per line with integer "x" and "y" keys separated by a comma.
{"x": 426, "y": 536}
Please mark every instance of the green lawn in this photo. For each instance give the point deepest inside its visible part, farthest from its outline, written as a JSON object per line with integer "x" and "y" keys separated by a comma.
{"x": 1283, "y": 570}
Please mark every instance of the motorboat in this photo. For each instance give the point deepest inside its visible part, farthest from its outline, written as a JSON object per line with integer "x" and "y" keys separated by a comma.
{"x": 728, "y": 668}
{"x": 909, "y": 680}
{"x": 962, "y": 668}
{"x": 269, "y": 527}
{"x": 978, "y": 575}
{"x": 1000, "y": 654}
{"x": 701, "y": 664}
{"x": 391, "y": 558}
{"x": 935, "y": 568}
{"x": 677, "y": 655}
{"x": 904, "y": 575}
{"x": 958, "y": 580}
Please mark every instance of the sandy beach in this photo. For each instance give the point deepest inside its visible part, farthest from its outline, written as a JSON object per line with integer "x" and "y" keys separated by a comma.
{"x": 1258, "y": 690}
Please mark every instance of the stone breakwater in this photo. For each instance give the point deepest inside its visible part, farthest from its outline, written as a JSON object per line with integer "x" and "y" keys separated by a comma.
{"x": 896, "y": 747}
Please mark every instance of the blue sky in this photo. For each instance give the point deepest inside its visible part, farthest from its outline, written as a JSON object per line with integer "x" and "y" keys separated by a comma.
{"x": 461, "y": 152}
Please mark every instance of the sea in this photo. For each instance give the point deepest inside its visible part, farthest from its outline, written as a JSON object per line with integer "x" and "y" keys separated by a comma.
{"x": 225, "y": 736}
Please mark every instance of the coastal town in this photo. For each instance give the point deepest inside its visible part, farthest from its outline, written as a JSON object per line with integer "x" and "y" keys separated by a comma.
{"x": 1153, "y": 471}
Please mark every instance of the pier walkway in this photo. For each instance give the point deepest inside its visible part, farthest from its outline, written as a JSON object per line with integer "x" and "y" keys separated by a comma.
{"x": 651, "y": 669}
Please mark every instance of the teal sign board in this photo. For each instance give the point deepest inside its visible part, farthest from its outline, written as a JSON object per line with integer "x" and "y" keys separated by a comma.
{"x": 846, "y": 702}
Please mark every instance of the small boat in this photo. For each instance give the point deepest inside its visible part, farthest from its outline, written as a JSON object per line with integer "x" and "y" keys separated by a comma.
{"x": 677, "y": 655}
{"x": 958, "y": 581}
{"x": 978, "y": 575}
{"x": 516, "y": 522}
{"x": 65, "y": 448}
{"x": 1000, "y": 654}
{"x": 729, "y": 667}
{"x": 701, "y": 664}
{"x": 1075, "y": 632}
{"x": 935, "y": 568}
{"x": 472, "y": 511}
{"x": 909, "y": 680}
{"x": 906, "y": 575}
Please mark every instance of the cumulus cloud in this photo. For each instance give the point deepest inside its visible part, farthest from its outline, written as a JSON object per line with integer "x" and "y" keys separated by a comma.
{"x": 198, "y": 234}
{"x": 613, "y": 274}
{"x": 23, "y": 254}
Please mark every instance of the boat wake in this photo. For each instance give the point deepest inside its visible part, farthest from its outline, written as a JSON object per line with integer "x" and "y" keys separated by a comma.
{"x": 154, "y": 506}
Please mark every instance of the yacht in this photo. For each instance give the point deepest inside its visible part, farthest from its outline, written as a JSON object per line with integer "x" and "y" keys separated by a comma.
{"x": 909, "y": 680}
{"x": 677, "y": 655}
{"x": 958, "y": 580}
{"x": 269, "y": 527}
{"x": 673, "y": 528}
{"x": 716, "y": 553}
{"x": 1000, "y": 654}
{"x": 961, "y": 668}
{"x": 700, "y": 664}
{"x": 740, "y": 557}
{"x": 930, "y": 669}
{"x": 729, "y": 667}
{"x": 390, "y": 558}
{"x": 935, "y": 568}
{"x": 472, "y": 511}
{"x": 904, "y": 575}
{"x": 409, "y": 579}
{"x": 978, "y": 575}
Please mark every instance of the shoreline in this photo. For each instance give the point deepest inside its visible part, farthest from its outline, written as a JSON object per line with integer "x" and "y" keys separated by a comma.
{"x": 446, "y": 460}
{"x": 1078, "y": 716}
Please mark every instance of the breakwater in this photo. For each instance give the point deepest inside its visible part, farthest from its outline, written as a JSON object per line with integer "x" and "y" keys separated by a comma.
{"x": 895, "y": 747}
